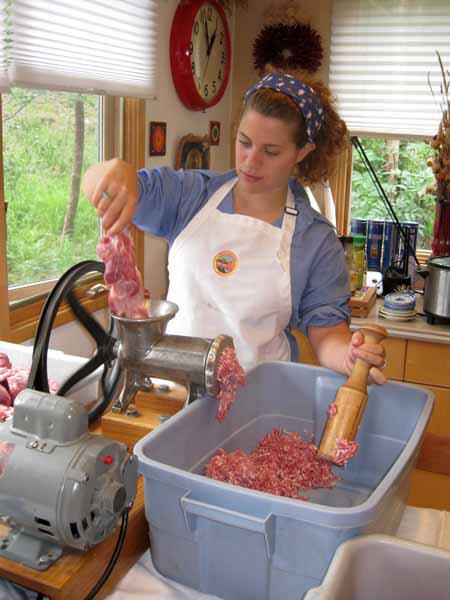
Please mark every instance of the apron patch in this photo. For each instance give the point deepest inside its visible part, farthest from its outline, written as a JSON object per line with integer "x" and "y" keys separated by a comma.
{"x": 225, "y": 262}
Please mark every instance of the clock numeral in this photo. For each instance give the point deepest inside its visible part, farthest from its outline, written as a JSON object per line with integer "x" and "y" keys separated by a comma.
{"x": 222, "y": 58}
{"x": 221, "y": 36}
{"x": 219, "y": 74}
{"x": 205, "y": 91}
{"x": 196, "y": 26}
{"x": 191, "y": 48}
{"x": 214, "y": 89}
{"x": 193, "y": 67}
{"x": 202, "y": 15}
{"x": 209, "y": 13}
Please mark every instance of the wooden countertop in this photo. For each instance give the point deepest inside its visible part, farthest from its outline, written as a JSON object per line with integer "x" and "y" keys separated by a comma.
{"x": 416, "y": 329}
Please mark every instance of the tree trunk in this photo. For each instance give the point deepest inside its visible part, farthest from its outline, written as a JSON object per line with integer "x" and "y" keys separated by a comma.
{"x": 391, "y": 166}
{"x": 77, "y": 163}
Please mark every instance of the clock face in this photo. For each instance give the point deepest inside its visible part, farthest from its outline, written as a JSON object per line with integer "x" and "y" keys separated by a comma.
{"x": 208, "y": 52}
{"x": 200, "y": 53}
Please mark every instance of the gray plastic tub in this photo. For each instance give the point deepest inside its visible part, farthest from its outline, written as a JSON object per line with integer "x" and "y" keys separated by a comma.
{"x": 372, "y": 567}
{"x": 241, "y": 544}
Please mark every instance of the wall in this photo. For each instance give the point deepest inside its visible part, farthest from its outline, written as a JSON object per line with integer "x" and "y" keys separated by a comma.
{"x": 249, "y": 23}
{"x": 180, "y": 121}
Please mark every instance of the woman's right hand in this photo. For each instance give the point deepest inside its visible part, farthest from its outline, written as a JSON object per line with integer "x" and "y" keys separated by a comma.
{"x": 112, "y": 188}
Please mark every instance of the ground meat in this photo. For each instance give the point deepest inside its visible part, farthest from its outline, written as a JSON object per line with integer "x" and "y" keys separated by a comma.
{"x": 332, "y": 410}
{"x": 283, "y": 463}
{"x": 345, "y": 450}
{"x": 230, "y": 376}
{"x": 126, "y": 295}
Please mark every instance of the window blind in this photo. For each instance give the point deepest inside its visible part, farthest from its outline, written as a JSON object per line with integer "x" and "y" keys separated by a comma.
{"x": 383, "y": 52}
{"x": 100, "y": 46}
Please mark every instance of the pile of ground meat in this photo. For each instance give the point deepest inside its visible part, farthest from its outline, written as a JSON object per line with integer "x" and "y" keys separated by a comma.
{"x": 126, "y": 291}
{"x": 283, "y": 463}
{"x": 230, "y": 376}
{"x": 12, "y": 381}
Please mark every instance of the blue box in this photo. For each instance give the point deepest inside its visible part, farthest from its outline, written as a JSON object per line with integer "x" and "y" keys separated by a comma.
{"x": 241, "y": 544}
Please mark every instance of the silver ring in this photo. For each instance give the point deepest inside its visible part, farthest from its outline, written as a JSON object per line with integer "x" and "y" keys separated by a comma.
{"x": 106, "y": 196}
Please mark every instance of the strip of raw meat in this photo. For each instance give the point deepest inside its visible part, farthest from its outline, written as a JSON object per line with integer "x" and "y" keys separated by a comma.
{"x": 13, "y": 380}
{"x": 6, "y": 449}
{"x": 126, "y": 295}
{"x": 4, "y": 361}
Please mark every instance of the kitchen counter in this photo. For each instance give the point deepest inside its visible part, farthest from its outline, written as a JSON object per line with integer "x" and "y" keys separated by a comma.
{"x": 416, "y": 329}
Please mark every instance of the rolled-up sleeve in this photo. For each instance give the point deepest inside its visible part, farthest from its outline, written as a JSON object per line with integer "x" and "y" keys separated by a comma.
{"x": 324, "y": 279}
{"x": 169, "y": 199}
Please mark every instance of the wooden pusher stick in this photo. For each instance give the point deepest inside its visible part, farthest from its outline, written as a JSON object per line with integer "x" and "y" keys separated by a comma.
{"x": 350, "y": 402}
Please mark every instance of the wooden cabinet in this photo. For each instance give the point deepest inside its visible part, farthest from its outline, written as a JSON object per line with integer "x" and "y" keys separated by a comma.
{"x": 395, "y": 358}
{"x": 426, "y": 364}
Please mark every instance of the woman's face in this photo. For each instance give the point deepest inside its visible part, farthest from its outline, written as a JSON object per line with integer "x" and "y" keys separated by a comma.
{"x": 265, "y": 153}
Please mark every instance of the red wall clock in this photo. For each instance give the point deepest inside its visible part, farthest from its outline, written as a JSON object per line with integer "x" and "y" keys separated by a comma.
{"x": 200, "y": 53}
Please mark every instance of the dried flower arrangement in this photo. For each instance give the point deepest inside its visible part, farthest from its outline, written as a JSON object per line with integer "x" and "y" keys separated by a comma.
{"x": 441, "y": 141}
{"x": 287, "y": 41}
{"x": 440, "y": 165}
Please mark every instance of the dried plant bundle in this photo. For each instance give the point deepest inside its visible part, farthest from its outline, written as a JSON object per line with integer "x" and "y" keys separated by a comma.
{"x": 440, "y": 143}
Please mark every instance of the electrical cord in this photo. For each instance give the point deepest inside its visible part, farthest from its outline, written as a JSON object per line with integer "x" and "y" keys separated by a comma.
{"x": 115, "y": 556}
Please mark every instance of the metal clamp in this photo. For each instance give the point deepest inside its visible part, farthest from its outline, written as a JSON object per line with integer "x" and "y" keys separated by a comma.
{"x": 96, "y": 290}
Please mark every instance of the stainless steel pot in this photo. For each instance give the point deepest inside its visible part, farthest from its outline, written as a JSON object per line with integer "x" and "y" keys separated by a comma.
{"x": 436, "y": 301}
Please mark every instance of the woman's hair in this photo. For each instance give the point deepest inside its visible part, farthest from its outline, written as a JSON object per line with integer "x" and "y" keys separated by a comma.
{"x": 331, "y": 139}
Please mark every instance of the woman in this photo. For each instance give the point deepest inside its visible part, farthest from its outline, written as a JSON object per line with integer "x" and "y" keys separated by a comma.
{"x": 248, "y": 256}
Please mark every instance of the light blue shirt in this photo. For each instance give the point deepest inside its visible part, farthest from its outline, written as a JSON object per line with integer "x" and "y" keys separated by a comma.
{"x": 169, "y": 199}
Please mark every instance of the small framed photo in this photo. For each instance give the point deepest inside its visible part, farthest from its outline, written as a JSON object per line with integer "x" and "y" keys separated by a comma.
{"x": 157, "y": 138}
{"x": 214, "y": 133}
{"x": 193, "y": 152}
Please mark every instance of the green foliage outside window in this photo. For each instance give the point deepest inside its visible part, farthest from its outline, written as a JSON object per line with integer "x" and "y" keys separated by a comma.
{"x": 401, "y": 167}
{"x": 39, "y": 177}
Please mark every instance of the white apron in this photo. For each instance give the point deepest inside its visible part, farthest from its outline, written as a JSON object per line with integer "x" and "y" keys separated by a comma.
{"x": 230, "y": 274}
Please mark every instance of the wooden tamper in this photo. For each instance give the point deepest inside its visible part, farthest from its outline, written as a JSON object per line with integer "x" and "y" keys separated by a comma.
{"x": 348, "y": 407}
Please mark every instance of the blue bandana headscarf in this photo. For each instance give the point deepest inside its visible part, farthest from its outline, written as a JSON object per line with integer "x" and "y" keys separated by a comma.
{"x": 303, "y": 96}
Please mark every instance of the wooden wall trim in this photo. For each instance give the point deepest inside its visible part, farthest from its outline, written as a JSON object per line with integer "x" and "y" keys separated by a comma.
{"x": 4, "y": 301}
{"x": 341, "y": 187}
{"x": 134, "y": 152}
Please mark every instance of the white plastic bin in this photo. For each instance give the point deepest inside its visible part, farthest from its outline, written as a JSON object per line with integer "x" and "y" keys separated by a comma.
{"x": 241, "y": 544}
{"x": 375, "y": 567}
{"x": 59, "y": 367}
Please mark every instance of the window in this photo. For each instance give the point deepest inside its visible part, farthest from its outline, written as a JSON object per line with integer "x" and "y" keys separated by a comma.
{"x": 49, "y": 139}
{"x": 56, "y": 75}
{"x": 403, "y": 171}
{"x": 383, "y": 63}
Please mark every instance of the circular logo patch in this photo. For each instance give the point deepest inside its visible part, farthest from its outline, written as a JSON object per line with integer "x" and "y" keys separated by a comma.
{"x": 225, "y": 262}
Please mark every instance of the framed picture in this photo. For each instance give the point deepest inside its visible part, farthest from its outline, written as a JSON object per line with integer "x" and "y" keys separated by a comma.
{"x": 193, "y": 152}
{"x": 157, "y": 139}
{"x": 214, "y": 133}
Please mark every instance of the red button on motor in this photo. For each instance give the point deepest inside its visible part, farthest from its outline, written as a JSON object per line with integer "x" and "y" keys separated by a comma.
{"x": 108, "y": 459}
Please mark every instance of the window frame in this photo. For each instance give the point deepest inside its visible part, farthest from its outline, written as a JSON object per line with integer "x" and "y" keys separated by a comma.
{"x": 341, "y": 185}
{"x": 18, "y": 320}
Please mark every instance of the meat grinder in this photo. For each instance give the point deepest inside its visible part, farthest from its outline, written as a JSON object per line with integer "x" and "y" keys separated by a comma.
{"x": 145, "y": 351}
{"x": 131, "y": 352}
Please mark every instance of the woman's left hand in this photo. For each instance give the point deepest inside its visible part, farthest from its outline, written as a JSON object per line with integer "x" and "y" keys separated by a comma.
{"x": 373, "y": 354}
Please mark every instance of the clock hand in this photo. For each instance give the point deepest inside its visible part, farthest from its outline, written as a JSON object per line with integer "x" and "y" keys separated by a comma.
{"x": 213, "y": 39}
{"x": 207, "y": 36}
